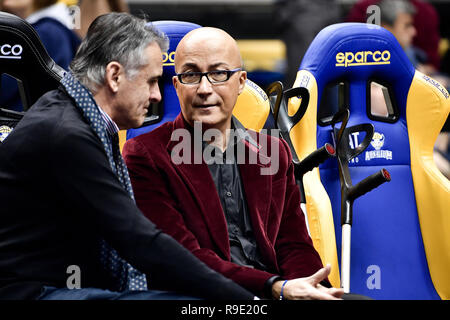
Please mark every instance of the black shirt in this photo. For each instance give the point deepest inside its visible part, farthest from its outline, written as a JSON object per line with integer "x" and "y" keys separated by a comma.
{"x": 225, "y": 173}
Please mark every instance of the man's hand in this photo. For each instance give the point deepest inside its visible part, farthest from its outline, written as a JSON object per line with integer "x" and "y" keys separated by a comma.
{"x": 308, "y": 288}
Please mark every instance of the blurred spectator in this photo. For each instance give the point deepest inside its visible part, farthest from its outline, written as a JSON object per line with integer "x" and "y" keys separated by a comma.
{"x": 442, "y": 153}
{"x": 91, "y": 9}
{"x": 299, "y": 21}
{"x": 397, "y": 17}
{"x": 52, "y": 22}
{"x": 426, "y": 24}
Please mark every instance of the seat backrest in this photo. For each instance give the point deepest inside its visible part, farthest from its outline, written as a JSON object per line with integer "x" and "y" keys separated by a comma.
{"x": 23, "y": 56}
{"x": 401, "y": 230}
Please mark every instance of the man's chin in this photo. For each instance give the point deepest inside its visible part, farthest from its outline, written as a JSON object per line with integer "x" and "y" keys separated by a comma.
{"x": 136, "y": 124}
{"x": 210, "y": 122}
{"x": 207, "y": 120}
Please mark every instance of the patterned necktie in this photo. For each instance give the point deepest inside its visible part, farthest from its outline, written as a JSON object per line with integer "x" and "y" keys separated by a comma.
{"x": 127, "y": 277}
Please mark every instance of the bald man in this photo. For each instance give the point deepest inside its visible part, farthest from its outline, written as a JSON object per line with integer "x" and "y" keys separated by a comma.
{"x": 198, "y": 180}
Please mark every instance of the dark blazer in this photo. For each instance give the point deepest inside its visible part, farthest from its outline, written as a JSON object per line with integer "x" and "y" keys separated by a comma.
{"x": 58, "y": 196}
{"x": 182, "y": 200}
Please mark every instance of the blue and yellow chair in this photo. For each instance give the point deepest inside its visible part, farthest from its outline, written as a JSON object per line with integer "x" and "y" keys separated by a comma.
{"x": 401, "y": 230}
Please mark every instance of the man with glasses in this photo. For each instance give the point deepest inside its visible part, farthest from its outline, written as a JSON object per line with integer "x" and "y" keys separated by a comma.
{"x": 198, "y": 180}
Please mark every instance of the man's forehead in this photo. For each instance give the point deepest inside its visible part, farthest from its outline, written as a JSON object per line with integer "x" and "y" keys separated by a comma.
{"x": 205, "y": 34}
{"x": 199, "y": 63}
{"x": 207, "y": 56}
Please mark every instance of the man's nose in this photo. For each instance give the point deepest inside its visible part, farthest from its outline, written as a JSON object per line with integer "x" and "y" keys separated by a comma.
{"x": 155, "y": 94}
{"x": 204, "y": 87}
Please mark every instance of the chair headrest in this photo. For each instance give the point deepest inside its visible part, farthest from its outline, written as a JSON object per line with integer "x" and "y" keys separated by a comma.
{"x": 358, "y": 52}
{"x": 175, "y": 31}
{"x": 23, "y": 56}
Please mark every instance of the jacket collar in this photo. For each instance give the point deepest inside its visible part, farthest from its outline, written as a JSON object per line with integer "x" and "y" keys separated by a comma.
{"x": 245, "y": 136}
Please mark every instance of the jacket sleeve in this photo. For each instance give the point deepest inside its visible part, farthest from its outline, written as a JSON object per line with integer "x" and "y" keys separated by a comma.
{"x": 87, "y": 182}
{"x": 153, "y": 196}
{"x": 296, "y": 254}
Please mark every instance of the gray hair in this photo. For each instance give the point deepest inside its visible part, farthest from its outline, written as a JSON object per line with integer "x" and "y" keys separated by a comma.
{"x": 390, "y": 9}
{"x": 119, "y": 37}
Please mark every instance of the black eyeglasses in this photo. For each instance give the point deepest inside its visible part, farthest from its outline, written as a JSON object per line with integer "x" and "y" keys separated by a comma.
{"x": 215, "y": 76}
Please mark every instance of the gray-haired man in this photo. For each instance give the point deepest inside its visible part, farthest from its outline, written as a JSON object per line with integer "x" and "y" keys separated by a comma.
{"x": 70, "y": 228}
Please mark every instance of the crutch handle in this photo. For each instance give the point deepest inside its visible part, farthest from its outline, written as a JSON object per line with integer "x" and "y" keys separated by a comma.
{"x": 314, "y": 159}
{"x": 368, "y": 184}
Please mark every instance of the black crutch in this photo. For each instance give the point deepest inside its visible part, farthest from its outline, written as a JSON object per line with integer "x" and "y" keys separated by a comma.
{"x": 279, "y": 101}
{"x": 350, "y": 192}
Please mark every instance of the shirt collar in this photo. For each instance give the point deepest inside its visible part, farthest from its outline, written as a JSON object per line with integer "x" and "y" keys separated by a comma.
{"x": 240, "y": 133}
{"x": 243, "y": 134}
{"x": 110, "y": 125}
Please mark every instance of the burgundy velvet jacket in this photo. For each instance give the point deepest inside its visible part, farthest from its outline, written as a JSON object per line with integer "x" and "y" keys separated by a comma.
{"x": 182, "y": 200}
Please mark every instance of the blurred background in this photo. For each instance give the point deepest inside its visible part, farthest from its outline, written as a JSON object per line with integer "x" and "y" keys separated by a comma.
{"x": 273, "y": 35}
{"x": 265, "y": 28}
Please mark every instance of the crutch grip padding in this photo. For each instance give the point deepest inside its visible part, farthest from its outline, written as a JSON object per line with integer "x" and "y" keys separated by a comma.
{"x": 368, "y": 184}
{"x": 314, "y": 159}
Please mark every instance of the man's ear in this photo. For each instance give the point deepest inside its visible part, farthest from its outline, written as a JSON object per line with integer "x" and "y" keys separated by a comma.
{"x": 175, "y": 81}
{"x": 113, "y": 74}
{"x": 242, "y": 79}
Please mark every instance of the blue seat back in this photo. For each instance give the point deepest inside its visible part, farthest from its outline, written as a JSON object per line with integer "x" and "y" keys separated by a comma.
{"x": 389, "y": 258}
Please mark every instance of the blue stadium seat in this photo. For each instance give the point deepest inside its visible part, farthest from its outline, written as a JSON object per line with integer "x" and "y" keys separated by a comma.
{"x": 401, "y": 230}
